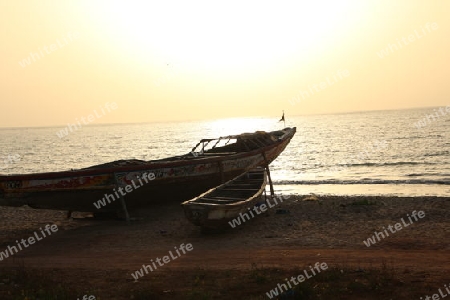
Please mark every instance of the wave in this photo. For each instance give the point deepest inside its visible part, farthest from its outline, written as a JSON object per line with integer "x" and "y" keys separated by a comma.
{"x": 427, "y": 174}
{"x": 408, "y": 137}
{"x": 442, "y": 153}
{"x": 400, "y": 163}
{"x": 362, "y": 181}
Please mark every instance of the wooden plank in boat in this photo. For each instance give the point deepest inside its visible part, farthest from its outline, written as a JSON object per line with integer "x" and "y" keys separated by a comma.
{"x": 208, "y": 200}
{"x": 242, "y": 185}
{"x": 242, "y": 190}
{"x": 254, "y": 181}
{"x": 225, "y": 198}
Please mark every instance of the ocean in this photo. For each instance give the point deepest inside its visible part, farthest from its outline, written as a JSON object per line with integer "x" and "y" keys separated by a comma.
{"x": 397, "y": 153}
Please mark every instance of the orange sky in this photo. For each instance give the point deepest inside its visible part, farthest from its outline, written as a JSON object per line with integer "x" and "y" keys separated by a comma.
{"x": 189, "y": 60}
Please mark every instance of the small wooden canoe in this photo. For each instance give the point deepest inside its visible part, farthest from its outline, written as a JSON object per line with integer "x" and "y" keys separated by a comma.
{"x": 224, "y": 203}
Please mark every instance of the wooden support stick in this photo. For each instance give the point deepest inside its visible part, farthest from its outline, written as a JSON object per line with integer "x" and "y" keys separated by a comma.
{"x": 122, "y": 201}
{"x": 272, "y": 192}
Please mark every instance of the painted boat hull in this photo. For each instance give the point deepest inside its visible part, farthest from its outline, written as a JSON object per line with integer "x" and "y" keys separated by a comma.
{"x": 174, "y": 180}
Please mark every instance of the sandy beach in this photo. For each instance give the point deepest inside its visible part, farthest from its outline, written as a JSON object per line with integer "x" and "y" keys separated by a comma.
{"x": 92, "y": 257}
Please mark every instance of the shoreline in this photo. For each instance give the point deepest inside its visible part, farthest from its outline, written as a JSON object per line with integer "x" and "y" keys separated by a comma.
{"x": 366, "y": 190}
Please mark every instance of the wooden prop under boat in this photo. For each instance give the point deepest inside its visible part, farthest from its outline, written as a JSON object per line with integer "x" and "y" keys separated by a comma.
{"x": 220, "y": 205}
{"x": 179, "y": 178}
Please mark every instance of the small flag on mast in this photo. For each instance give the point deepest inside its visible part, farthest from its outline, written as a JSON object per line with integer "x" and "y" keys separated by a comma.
{"x": 282, "y": 119}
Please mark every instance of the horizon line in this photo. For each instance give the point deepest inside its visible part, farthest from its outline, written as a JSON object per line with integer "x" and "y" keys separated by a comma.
{"x": 224, "y": 118}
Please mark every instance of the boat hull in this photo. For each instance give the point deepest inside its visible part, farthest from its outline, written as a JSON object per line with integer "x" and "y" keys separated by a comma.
{"x": 214, "y": 210}
{"x": 170, "y": 181}
{"x": 219, "y": 218}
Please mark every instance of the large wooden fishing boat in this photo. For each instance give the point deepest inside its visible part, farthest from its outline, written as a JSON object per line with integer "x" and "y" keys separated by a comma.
{"x": 210, "y": 163}
{"x": 218, "y": 207}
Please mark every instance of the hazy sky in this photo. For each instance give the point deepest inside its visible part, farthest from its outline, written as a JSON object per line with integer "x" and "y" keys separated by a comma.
{"x": 63, "y": 60}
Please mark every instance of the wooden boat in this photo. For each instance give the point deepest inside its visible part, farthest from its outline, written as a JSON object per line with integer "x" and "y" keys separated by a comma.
{"x": 220, "y": 205}
{"x": 210, "y": 163}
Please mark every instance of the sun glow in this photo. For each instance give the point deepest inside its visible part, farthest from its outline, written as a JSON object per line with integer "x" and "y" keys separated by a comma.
{"x": 224, "y": 35}
{"x": 225, "y": 127}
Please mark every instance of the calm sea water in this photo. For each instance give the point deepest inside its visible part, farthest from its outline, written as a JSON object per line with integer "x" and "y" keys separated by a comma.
{"x": 368, "y": 153}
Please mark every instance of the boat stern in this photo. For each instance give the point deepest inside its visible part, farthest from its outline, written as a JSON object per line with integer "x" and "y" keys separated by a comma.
{"x": 196, "y": 214}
